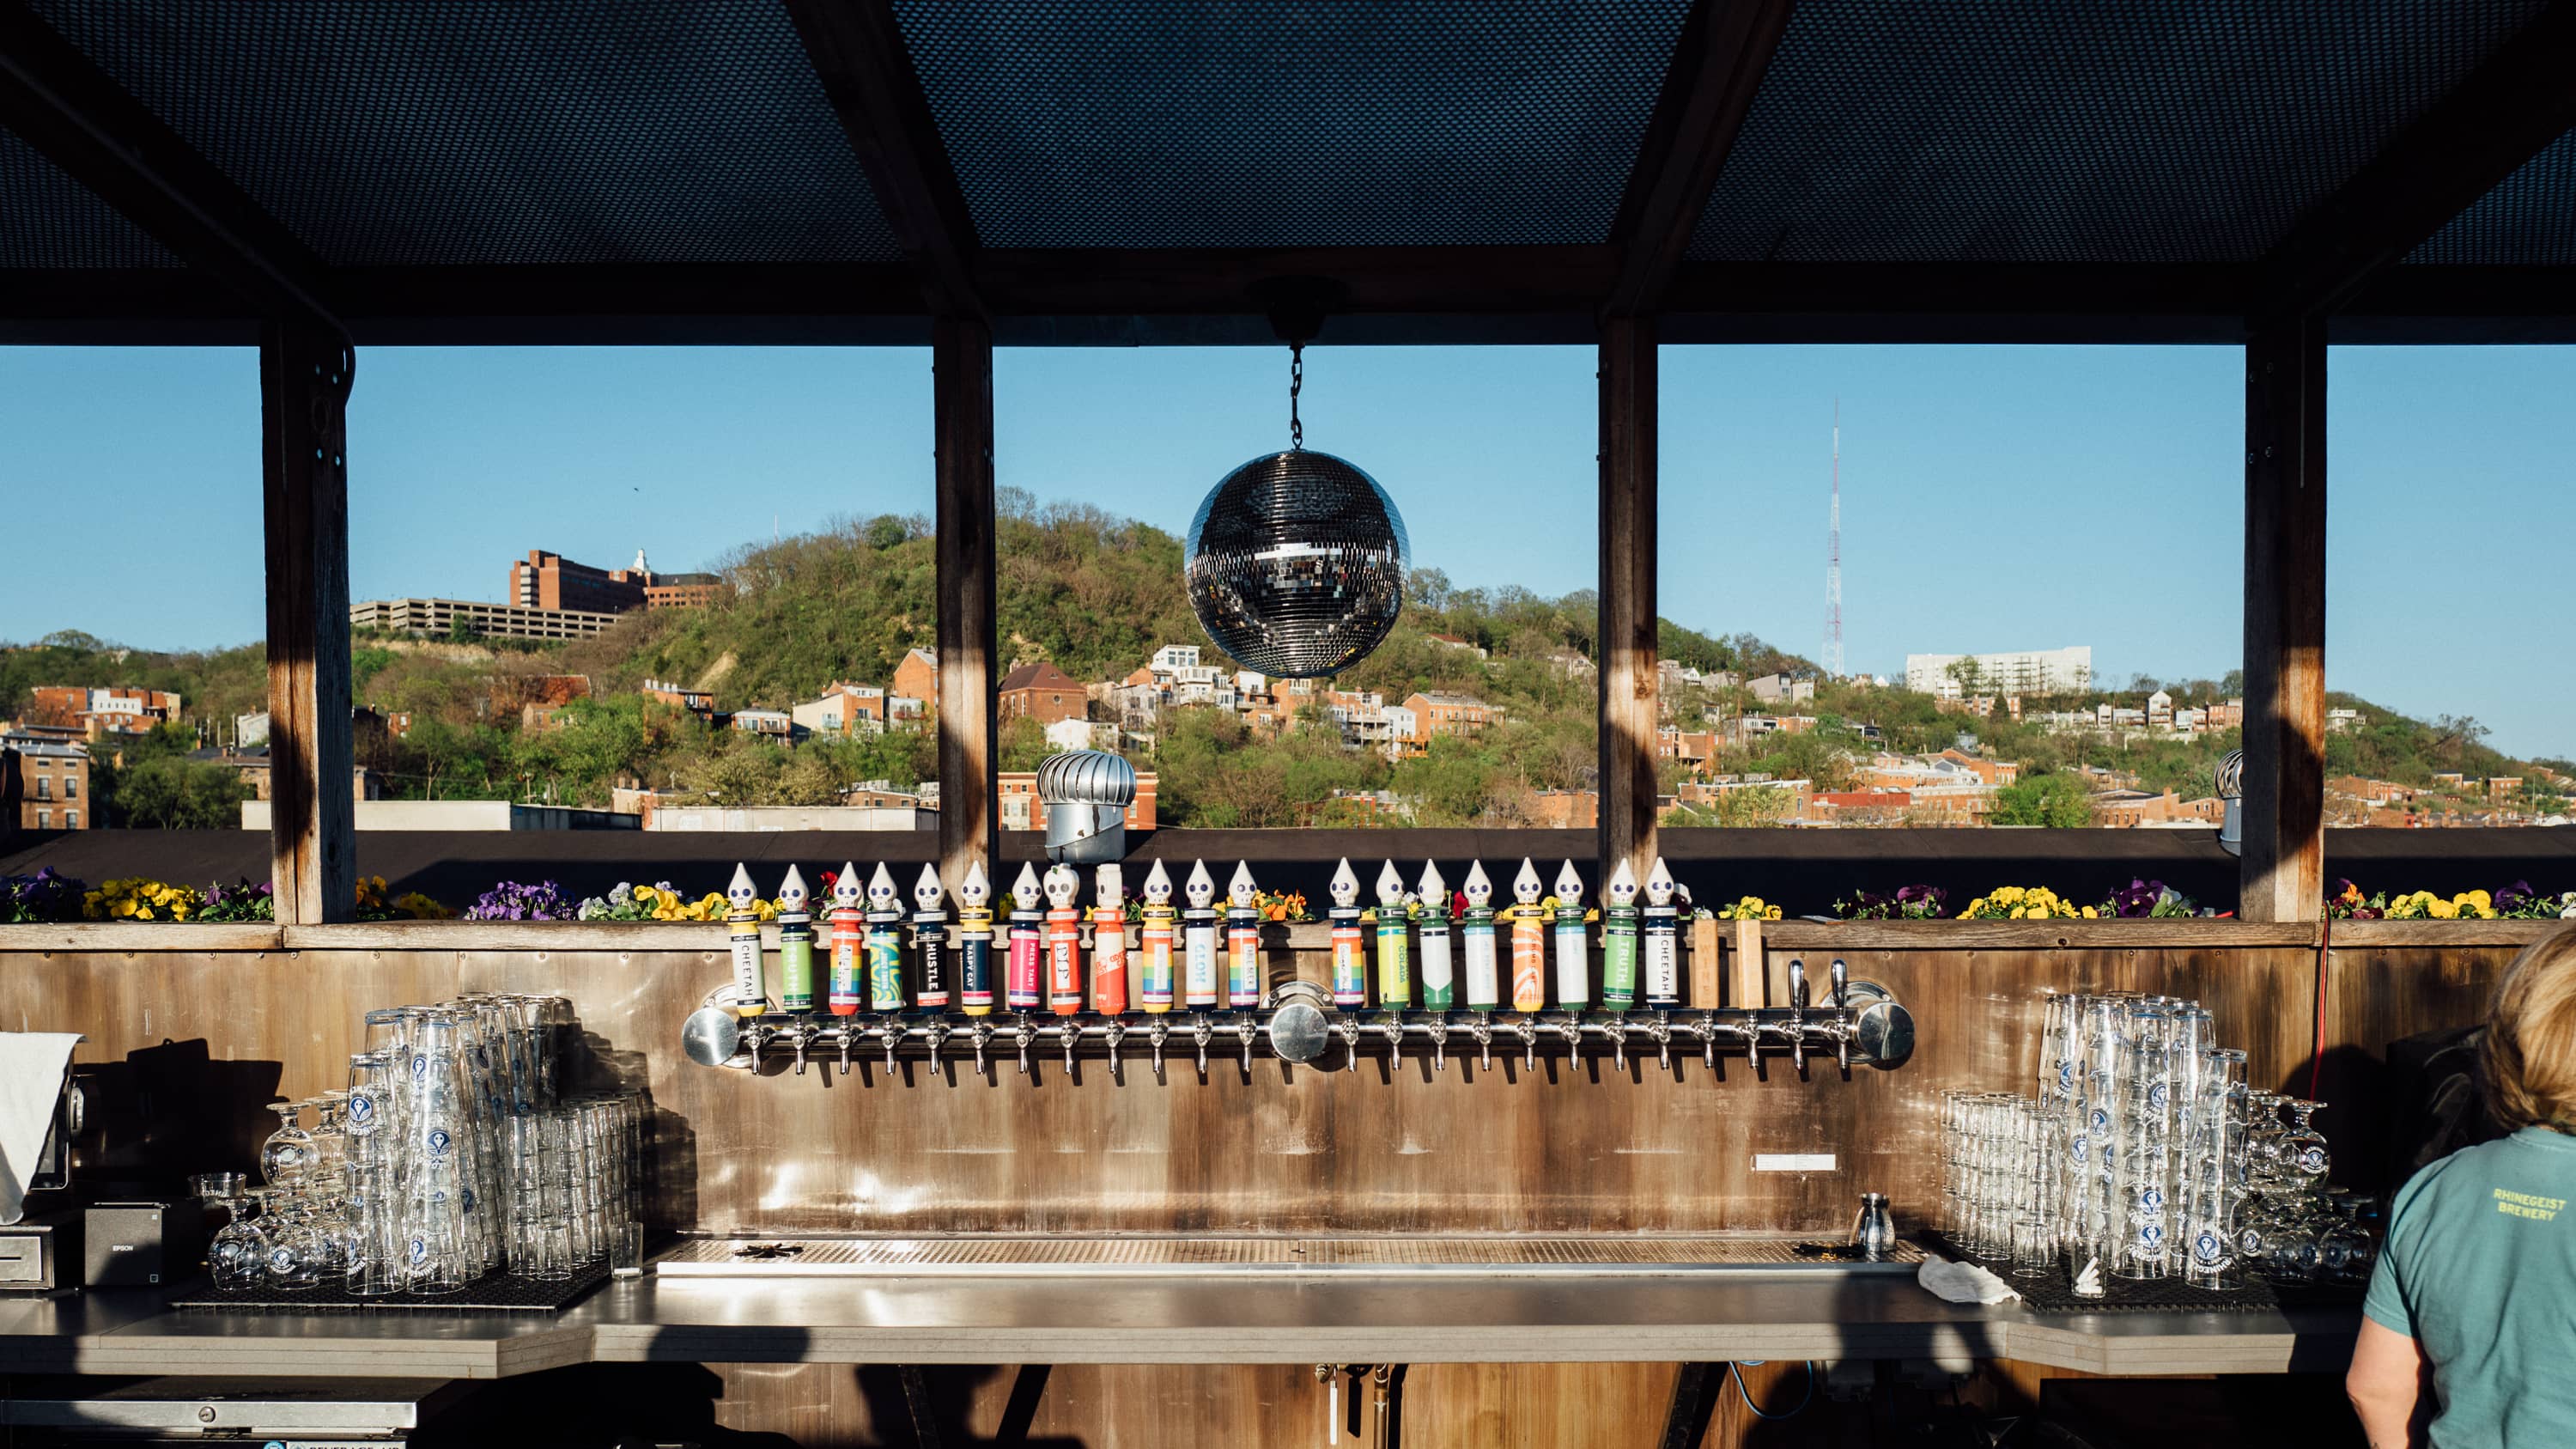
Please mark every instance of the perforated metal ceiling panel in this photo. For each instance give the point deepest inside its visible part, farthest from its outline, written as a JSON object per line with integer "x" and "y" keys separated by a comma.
{"x": 1144, "y": 123}
{"x": 2527, "y": 221}
{"x": 49, "y": 220}
{"x": 425, "y": 132}
{"x": 2100, "y": 131}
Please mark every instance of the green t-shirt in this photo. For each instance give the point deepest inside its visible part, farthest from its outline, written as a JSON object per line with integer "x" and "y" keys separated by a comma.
{"x": 2480, "y": 1269}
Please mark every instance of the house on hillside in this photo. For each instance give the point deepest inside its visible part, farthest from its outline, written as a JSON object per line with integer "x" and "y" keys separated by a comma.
{"x": 916, "y": 676}
{"x": 1041, "y": 692}
{"x": 843, "y": 709}
{"x": 1441, "y": 713}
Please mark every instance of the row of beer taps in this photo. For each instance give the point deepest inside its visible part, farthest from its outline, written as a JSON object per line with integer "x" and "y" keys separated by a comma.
{"x": 1189, "y": 992}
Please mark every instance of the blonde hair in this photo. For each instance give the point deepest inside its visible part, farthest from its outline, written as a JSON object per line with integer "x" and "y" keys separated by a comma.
{"x": 2530, "y": 1052}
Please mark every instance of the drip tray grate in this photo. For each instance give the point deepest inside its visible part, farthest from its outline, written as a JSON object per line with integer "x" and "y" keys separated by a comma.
{"x": 1018, "y": 1257}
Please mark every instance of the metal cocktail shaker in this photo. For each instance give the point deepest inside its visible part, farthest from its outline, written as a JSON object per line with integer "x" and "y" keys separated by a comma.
{"x": 1872, "y": 1231}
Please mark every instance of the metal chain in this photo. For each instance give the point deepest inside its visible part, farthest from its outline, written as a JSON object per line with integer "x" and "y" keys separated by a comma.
{"x": 1296, "y": 383}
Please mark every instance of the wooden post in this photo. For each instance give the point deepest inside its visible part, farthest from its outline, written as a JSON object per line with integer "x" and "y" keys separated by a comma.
{"x": 961, "y": 360}
{"x": 1748, "y": 976}
{"x": 304, "y": 376}
{"x": 1629, "y": 712}
{"x": 2282, "y": 873}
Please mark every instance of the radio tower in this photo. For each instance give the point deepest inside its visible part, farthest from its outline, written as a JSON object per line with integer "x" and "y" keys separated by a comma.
{"x": 1833, "y": 660}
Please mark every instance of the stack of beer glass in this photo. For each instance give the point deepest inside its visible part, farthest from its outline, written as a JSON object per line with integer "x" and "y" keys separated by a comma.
{"x": 2136, "y": 1154}
{"x": 452, "y": 1156}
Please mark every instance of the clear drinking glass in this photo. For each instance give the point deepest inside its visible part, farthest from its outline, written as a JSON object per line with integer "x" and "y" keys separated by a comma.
{"x": 287, "y": 1155}
{"x": 2303, "y": 1147}
{"x": 298, "y": 1251}
{"x": 2211, "y": 1169}
{"x": 238, "y": 1255}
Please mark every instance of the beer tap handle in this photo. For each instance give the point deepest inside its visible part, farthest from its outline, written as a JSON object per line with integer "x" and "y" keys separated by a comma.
{"x": 1841, "y": 983}
{"x": 1798, "y": 1015}
{"x": 1114, "y": 1033}
{"x": 1160, "y": 1032}
{"x": 1438, "y": 1026}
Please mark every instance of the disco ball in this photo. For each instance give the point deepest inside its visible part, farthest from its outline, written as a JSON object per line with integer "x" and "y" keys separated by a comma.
{"x": 1296, "y": 565}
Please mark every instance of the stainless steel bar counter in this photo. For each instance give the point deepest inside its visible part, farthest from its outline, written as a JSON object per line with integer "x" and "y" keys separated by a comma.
{"x": 1213, "y": 1319}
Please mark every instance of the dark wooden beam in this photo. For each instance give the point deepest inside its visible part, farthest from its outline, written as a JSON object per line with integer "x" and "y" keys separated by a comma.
{"x": 1215, "y": 281}
{"x": 858, "y": 50}
{"x": 1404, "y": 296}
{"x": 2282, "y": 872}
{"x": 62, "y": 104}
{"x": 304, "y": 378}
{"x": 962, "y": 426}
{"x": 1717, "y": 68}
{"x": 1955, "y": 302}
{"x": 1630, "y": 701}
{"x": 2507, "y": 109}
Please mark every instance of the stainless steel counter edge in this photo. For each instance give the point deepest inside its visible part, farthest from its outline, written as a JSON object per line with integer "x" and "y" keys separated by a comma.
{"x": 919, "y": 1322}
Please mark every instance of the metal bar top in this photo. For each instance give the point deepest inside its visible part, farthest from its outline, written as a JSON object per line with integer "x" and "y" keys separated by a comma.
{"x": 1257, "y": 1319}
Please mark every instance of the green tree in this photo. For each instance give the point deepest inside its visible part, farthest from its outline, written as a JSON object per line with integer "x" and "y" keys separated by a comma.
{"x": 2061, "y": 801}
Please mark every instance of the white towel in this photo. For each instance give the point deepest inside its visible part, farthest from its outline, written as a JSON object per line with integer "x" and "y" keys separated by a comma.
{"x": 32, "y": 1064}
{"x": 1962, "y": 1282}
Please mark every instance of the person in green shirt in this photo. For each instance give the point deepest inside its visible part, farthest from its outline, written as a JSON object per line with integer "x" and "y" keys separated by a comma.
{"x": 2475, "y": 1294}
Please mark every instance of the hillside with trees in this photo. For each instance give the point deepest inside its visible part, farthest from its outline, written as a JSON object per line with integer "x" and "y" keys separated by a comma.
{"x": 1097, "y": 594}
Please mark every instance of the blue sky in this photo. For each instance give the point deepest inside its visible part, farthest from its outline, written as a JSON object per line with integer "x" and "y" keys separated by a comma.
{"x": 1993, "y": 497}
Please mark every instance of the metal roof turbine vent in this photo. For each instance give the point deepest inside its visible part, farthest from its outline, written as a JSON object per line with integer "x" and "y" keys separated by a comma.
{"x": 1086, "y": 794}
{"x": 2230, "y": 784}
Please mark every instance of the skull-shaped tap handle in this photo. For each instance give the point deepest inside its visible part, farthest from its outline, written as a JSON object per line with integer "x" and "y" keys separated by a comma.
{"x": 1619, "y": 939}
{"x": 849, "y": 941}
{"x": 885, "y": 943}
{"x": 1573, "y": 950}
{"x": 1476, "y": 943}
{"x": 1350, "y": 958}
{"x": 1023, "y": 989}
{"x": 1242, "y": 941}
{"x": 1529, "y": 942}
{"x": 1439, "y": 979}
{"x": 1199, "y": 989}
{"x": 1109, "y": 942}
{"x": 975, "y": 941}
{"x": 1155, "y": 942}
{"x": 1063, "y": 941}
{"x": 795, "y": 945}
{"x": 742, "y": 913}
{"x": 930, "y": 941}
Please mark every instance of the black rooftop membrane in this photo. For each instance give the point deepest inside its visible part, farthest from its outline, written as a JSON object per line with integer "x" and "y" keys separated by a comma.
{"x": 49, "y": 220}
{"x": 2529, "y": 220}
{"x": 2159, "y": 131}
{"x": 428, "y": 132}
{"x": 1250, "y": 123}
